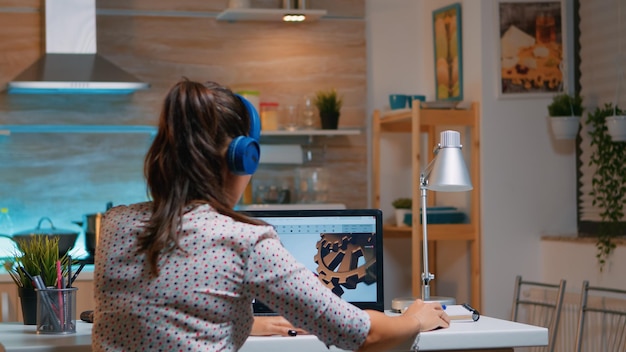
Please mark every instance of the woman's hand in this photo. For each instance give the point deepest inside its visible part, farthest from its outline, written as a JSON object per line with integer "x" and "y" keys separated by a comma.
{"x": 274, "y": 325}
{"x": 430, "y": 315}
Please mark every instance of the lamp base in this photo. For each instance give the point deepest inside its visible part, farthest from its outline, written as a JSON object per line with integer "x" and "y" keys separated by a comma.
{"x": 400, "y": 304}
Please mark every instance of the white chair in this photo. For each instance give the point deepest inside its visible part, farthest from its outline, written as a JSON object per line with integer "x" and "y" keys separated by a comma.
{"x": 539, "y": 303}
{"x": 601, "y": 320}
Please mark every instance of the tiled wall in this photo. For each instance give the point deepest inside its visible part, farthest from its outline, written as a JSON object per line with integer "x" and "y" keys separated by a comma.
{"x": 66, "y": 175}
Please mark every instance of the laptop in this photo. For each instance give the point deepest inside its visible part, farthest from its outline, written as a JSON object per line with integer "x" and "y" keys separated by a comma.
{"x": 343, "y": 247}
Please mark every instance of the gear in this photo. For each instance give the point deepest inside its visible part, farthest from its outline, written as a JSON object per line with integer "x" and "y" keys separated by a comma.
{"x": 345, "y": 259}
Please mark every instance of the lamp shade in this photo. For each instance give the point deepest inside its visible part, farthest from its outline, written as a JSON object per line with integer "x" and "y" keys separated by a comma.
{"x": 447, "y": 172}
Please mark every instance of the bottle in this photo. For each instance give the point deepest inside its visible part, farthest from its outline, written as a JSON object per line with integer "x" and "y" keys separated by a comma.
{"x": 6, "y": 224}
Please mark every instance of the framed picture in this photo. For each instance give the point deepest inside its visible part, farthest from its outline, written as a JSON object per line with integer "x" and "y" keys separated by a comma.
{"x": 531, "y": 53}
{"x": 448, "y": 53}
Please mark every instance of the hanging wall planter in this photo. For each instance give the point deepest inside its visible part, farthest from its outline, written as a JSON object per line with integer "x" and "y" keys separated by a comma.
{"x": 565, "y": 112}
{"x": 616, "y": 126}
{"x": 564, "y": 127}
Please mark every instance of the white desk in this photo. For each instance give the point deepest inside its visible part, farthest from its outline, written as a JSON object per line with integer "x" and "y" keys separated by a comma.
{"x": 485, "y": 334}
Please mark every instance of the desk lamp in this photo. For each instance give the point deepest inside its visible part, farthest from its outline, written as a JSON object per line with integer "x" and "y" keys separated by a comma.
{"x": 445, "y": 173}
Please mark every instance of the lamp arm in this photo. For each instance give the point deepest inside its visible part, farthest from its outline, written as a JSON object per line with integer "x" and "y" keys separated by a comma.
{"x": 426, "y": 275}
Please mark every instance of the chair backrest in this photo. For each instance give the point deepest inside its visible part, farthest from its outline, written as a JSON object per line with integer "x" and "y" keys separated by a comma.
{"x": 540, "y": 304}
{"x": 601, "y": 319}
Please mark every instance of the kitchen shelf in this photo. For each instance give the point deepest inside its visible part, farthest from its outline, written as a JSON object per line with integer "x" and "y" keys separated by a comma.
{"x": 249, "y": 14}
{"x": 327, "y": 133}
{"x": 418, "y": 121}
{"x": 7, "y": 130}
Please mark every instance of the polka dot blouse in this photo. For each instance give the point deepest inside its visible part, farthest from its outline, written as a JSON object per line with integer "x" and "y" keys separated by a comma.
{"x": 202, "y": 298}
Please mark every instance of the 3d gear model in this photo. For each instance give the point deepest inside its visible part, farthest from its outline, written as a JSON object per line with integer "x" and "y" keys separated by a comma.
{"x": 338, "y": 258}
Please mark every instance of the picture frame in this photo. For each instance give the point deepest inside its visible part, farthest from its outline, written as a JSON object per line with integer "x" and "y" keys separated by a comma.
{"x": 448, "y": 52}
{"x": 532, "y": 50}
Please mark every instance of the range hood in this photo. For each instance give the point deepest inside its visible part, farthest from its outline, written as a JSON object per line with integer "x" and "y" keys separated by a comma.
{"x": 71, "y": 63}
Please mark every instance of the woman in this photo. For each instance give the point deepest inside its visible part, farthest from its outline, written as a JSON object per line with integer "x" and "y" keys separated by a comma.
{"x": 180, "y": 272}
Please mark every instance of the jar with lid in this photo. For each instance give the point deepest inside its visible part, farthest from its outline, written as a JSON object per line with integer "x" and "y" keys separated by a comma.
{"x": 269, "y": 116}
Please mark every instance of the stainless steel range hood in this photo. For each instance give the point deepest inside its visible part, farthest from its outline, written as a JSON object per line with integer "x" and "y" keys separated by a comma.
{"x": 71, "y": 63}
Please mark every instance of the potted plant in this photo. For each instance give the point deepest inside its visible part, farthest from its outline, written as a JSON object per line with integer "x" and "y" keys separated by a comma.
{"x": 402, "y": 207}
{"x": 608, "y": 183}
{"x": 328, "y": 103}
{"x": 34, "y": 256}
{"x": 564, "y": 115}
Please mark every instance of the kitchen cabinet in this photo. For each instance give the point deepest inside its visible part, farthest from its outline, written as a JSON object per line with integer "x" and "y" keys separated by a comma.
{"x": 428, "y": 123}
{"x": 9, "y": 302}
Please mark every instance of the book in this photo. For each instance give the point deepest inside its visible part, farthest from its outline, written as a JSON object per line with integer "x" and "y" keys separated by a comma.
{"x": 461, "y": 312}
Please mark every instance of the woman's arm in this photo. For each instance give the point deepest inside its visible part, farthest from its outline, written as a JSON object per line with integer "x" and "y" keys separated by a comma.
{"x": 274, "y": 325}
{"x": 387, "y": 331}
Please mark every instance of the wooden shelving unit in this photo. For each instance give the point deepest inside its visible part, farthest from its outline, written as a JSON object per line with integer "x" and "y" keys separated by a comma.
{"x": 431, "y": 121}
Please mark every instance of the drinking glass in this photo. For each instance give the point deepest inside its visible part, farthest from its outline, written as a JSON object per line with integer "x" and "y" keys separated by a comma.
{"x": 307, "y": 112}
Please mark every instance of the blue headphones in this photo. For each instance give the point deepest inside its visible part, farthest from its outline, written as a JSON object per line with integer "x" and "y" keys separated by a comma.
{"x": 244, "y": 151}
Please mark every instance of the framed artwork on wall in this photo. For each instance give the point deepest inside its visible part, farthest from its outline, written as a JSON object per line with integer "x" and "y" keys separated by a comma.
{"x": 448, "y": 53}
{"x": 531, "y": 55}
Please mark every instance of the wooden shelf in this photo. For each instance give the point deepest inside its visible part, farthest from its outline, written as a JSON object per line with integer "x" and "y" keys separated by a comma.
{"x": 317, "y": 132}
{"x": 275, "y": 15}
{"x": 418, "y": 121}
{"x": 436, "y": 232}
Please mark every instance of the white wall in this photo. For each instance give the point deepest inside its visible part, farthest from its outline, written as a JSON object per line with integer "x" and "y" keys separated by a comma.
{"x": 395, "y": 65}
{"x": 528, "y": 180}
{"x": 576, "y": 261}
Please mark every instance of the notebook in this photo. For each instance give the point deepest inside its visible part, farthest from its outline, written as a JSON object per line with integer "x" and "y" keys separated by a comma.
{"x": 343, "y": 247}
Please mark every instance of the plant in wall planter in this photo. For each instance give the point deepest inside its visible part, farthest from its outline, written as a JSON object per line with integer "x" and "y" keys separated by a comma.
{"x": 402, "y": 207}
{"x": 564, "y": 115}
{"x": 328, "y": 103}
{"x": 609, "y": 181}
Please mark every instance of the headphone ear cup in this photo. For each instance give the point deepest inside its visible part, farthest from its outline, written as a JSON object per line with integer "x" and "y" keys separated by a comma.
{"x": 243, "y": 155}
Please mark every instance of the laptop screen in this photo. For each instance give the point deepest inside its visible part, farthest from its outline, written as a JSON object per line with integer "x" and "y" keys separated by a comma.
{"x": 342, "y": 247}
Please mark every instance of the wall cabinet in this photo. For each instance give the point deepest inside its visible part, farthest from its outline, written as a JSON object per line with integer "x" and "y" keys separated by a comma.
{"x": 428, "y": 123}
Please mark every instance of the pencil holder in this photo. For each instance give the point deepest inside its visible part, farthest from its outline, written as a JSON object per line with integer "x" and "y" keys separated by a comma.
{"x": 56, "y": 310}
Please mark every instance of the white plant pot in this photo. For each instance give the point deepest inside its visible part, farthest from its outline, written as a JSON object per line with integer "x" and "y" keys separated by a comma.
{"x": 616, "y": 126}
{"x": 564, "y": 127}
{"x": 400, "y": 213}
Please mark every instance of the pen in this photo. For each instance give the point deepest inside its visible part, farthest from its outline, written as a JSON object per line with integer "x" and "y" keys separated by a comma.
{"x": 61, "y": 302}
{"x": 80, "y": 268}
{"x": 32, "y": 280}
{"x": 69, "y": 272}
{"x": 475, "y": 313}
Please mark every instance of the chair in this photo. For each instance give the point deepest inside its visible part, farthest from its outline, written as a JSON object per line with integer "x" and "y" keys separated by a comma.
{"x": 540, "y": 304}
{"x": 601, "y": 319}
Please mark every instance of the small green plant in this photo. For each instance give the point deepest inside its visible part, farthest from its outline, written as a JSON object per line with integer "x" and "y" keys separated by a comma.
{"x": 37, "y": 256}
{"x": 566, "y": 105}
{"x": 328, "y": 101}
{"x": 609, "y": 181}
{"x": 402, "y": 203}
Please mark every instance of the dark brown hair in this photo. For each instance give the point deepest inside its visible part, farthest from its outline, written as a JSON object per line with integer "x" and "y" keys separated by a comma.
{"x": 186, "y": 164}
